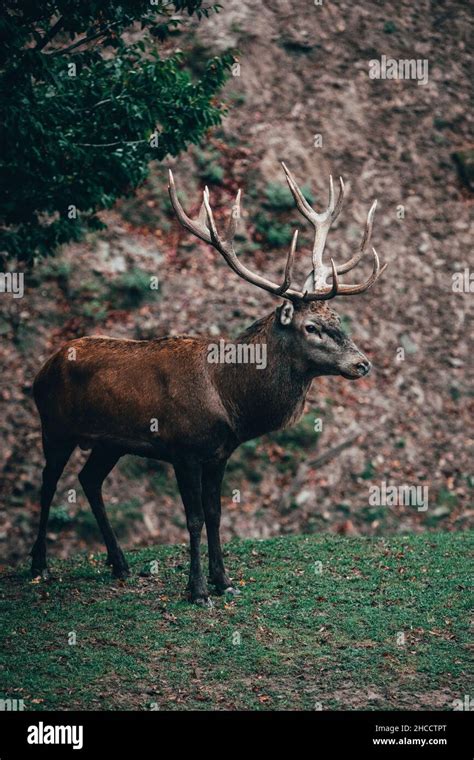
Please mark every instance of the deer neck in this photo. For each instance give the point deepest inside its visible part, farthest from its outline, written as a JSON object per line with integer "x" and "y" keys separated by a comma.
{"x": 260, "y": 387}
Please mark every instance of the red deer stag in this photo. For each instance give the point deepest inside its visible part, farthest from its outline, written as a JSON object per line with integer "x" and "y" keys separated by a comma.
{"x": 104, "y": 394}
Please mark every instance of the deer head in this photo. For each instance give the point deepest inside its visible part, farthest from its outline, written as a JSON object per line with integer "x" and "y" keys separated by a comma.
{"x": 309, "y": 329}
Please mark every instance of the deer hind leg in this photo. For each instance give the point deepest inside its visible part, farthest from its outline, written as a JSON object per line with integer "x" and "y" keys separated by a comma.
{"x": 212, "y": 476}
{"x": 188, "y": 475}
{"x": 101, "y": 461}
{"x": 56, "y": 456}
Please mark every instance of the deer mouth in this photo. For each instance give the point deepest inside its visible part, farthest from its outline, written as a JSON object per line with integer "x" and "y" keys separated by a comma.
{"x": 351, "y": 375}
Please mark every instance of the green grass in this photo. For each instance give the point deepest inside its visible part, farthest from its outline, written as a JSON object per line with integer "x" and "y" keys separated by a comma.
{"x": 320, "y": 623}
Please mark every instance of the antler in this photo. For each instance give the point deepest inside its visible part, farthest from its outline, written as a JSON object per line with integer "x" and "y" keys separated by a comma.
{"x": 322, "y": 223}
{"x": 204, "y": 228}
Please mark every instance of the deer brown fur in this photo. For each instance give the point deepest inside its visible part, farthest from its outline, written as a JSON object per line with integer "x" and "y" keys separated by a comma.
{"x": 165, "y": 400}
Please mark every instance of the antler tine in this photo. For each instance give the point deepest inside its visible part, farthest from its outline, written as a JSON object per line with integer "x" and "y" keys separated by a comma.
{"x": 342, "y": 268}
{"x": 349, "y": 290}
{"x": 289, "y": 265}
{"x": 320, "y": 221}
{"x": 301, "y": 203}
{"x": 210, "y": 217}
{"x": 202, "y": 216}
{"x": 340, "y": 199}
{"x": 196, "y": 227}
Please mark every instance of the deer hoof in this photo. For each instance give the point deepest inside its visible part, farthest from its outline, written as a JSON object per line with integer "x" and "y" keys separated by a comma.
{"x": 200, "y": 597}
{"x": 204, "y": 601}
{"x": 226, "y": 589}
{"x": 40, "y": 575}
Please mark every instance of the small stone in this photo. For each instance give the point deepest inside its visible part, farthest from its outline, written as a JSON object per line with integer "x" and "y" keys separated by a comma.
{"x": 409, "y": 346}
{"x": 303, "y": 497}
{"x": 425, "y": 244}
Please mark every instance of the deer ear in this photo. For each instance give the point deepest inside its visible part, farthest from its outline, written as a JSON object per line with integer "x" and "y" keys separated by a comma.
{"x": 286, "y": 313}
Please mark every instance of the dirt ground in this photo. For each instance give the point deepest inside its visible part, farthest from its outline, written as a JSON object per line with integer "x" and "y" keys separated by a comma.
{"x": 304, "y": 73}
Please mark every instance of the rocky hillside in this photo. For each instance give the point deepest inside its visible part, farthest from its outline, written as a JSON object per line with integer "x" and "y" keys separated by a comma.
{"x": 301, "y": 93}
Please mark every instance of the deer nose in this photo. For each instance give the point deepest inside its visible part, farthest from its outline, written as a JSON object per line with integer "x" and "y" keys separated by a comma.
{"x": 363, "y": 367}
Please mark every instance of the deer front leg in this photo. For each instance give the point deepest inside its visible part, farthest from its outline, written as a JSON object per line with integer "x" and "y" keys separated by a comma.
{"x": 212, "y": 475}
{"x": 188, "y": 475}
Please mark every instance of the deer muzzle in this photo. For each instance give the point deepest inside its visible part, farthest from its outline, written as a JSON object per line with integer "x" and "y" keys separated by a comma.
{"x": 359, "y": 367}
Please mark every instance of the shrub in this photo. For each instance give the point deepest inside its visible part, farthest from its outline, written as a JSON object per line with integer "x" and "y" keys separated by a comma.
{"x": 85, "y": 110}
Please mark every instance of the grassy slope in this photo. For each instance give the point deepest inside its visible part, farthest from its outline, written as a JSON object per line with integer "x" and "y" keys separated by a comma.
{"x": 306, "y": 637}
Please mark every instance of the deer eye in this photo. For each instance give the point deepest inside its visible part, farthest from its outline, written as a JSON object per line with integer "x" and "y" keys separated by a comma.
{"x": 310, "y": 328}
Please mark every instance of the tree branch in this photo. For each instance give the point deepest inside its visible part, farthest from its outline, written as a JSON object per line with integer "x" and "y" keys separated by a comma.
{"x": 111, "y": 145}
{"x": 50, "y": 34}
{"x": 326, "y": 456}
{"x": 84, "y": 40}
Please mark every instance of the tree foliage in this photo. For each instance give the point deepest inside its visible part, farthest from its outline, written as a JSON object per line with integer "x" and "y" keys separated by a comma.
{"x": 88, "y": 101}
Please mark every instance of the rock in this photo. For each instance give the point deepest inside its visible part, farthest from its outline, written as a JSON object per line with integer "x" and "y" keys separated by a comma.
{"x": 425, "y": 244}
{"x": 303, "y": 497}
{"x": 407, "y": 343}
{"x": 108, "y": 262}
